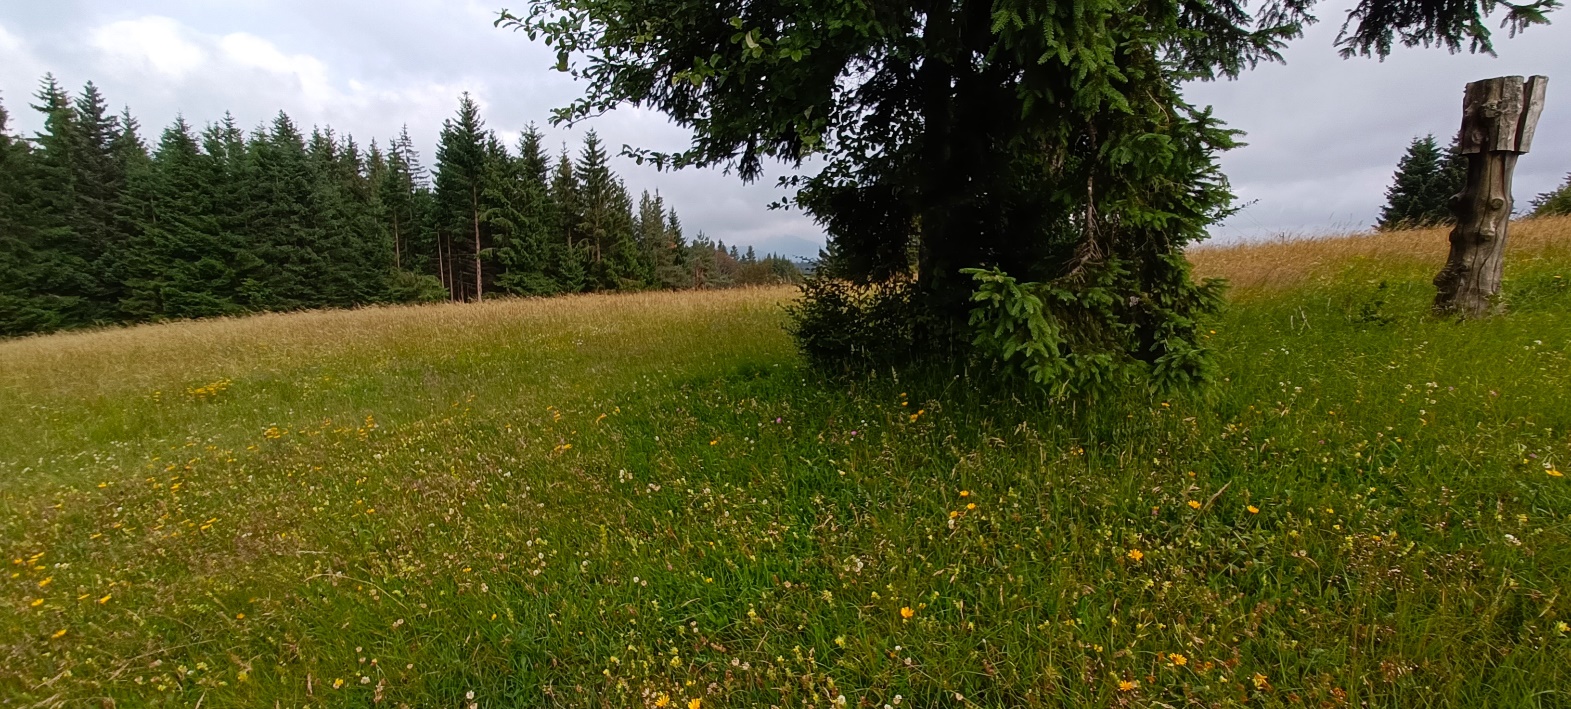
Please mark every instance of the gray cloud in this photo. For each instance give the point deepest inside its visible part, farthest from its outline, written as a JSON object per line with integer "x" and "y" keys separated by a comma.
{"x": 1324, "y": 134}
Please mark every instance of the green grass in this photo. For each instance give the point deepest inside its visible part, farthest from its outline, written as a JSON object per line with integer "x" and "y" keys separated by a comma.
{"x": 626, "y": 501}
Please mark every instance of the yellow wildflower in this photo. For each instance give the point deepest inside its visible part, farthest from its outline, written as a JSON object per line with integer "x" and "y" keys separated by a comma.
{"x": 58, "y": 634}
{"x": 970, "y": 505}
{"x": 37, "y": 602}
{"x": 1260, "y": 681}
{"x": 1178, "y": 659}
{"x": 965, "y": 493}
{"x": 1554, "y": 473}
{"x": 338, "y": 683}
{"x": 1194, "y": 504}
{"x": 1136, "y": 554}
{"x": 1125, "y": 685}
{"x": 906, "y": 612}
{"x": 695, "y": 703}
{"x": 105, "y": 599}
{"x": 1253, "y": 510}
{"x": 663, "y": 700}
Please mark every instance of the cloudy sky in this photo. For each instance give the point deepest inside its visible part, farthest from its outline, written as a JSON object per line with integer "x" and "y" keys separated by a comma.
{"x": 1324, "y": 133}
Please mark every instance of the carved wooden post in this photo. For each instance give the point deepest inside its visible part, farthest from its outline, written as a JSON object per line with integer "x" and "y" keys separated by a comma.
{"x": 1498, "y": 118}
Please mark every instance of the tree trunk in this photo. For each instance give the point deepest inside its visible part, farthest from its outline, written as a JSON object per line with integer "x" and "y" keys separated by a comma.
{"x": 1471, "y": 278}
{"x": 1498, "y": 120}
{"x": 479, "y": 290}
{"x": 441, "y": 266}
{"x": 398, "y": 263}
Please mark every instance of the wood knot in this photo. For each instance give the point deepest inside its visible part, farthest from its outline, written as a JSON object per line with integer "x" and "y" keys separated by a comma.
{"x": 1496, "y": 203}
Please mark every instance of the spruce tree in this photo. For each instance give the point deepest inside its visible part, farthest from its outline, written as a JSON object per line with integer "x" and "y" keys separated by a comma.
{"x": 461, "y": 158}
{"x": 570, "y": 268}
{"x": 63, "y": 272}
{"x": 180, "y": 266}
{"x": 21, "y": 310}
{"x": 525, "y": 220}
{"x": 671, "y": 257}
{"x": 1421, "y": 190}
{"x": 597, "y": 203}
{"x": 282, "y": 233}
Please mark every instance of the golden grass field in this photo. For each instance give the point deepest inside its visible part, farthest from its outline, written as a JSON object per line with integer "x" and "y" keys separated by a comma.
{"x": 1288, "y": 263}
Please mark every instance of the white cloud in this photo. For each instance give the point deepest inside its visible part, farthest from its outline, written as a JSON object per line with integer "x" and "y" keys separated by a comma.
{"x": 19, "y": 69}
{"x": 304, "y": 71}
{"x": 155, "y": 43}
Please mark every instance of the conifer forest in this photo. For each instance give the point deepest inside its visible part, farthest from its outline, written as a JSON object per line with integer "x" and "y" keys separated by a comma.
{"x": 103, "y": 223}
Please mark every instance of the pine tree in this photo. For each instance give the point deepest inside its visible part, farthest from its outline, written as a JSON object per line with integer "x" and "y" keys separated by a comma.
{"x": 461, "y": 157}
{"x": 671, "y": 257}
{"x": 180, "y": 266}
{"x": 597, "y": 195}
{"x": 63, "y": 271}
{"x": 1420, "y": 192}
{"x": 649, "y": 236}
{"x": 525, "y": 219}
{"x": 570, "y": 268}
{"x": 396, "y": 186}
{"x": 21, "y": 311}
{"x": 282, "y": 233}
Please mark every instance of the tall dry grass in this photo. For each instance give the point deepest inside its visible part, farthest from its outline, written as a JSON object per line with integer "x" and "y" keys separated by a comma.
{"x": 1287, "y": 263}
{"x": 104, "y": 360}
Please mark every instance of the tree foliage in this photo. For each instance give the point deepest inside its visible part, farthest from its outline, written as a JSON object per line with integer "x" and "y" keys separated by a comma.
{"x": 1421, "y": 191}
{"x": 1047, "y": 140}
{"x": 97, "y": 228}
{"x": 1554, "y": 202}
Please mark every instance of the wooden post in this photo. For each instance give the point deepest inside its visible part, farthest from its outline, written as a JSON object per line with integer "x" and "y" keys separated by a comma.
{"x": 1498, "y": 119}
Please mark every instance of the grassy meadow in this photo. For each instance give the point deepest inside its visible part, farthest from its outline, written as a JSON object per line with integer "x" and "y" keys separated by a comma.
{"x": 643, "y": 501}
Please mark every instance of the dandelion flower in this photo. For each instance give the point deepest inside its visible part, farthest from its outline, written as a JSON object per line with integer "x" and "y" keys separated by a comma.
{"x": 1178, "y": 660}
{"x": 906, "y": 612}
{"x": 1125, "y": 685}
{"x": 970, "y": 505}
{"x": 1253, "y": 510}
{"x": 1554, "y": 473}
{"x": 1136, "y": 554}
{"x": 695, "y": 703}
{"x": 1194, "y": 504}
{"x": 105, "y": 599}
{"x": 663, "y": 700}
{"x": 965, "y": 493}
{"x": 715, "y": 442}
{"x": 1260, "y": 681}
{"x": 37, "y": 602}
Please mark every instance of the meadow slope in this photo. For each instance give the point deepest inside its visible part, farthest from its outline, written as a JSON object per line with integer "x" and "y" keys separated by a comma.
{"x": 642, "y": 500}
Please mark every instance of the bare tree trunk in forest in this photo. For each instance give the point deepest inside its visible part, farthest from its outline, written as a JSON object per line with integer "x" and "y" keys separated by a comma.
{"x": 1498, "y": 119}
{"x": 441, "y": 267}
{"x": 475, "y": 197}
{"x": 397, "y": 256}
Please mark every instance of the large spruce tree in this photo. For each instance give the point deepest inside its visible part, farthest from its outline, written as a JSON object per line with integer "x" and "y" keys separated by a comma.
{"x": 461, "y": 165}
{"x": 1047, "y": 139}
{"x": 1425, "y": 181}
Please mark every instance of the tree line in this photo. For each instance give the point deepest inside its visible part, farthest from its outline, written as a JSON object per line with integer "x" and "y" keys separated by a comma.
{"x": 98, "y": 227}
{"x": 1426, "y": 178}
